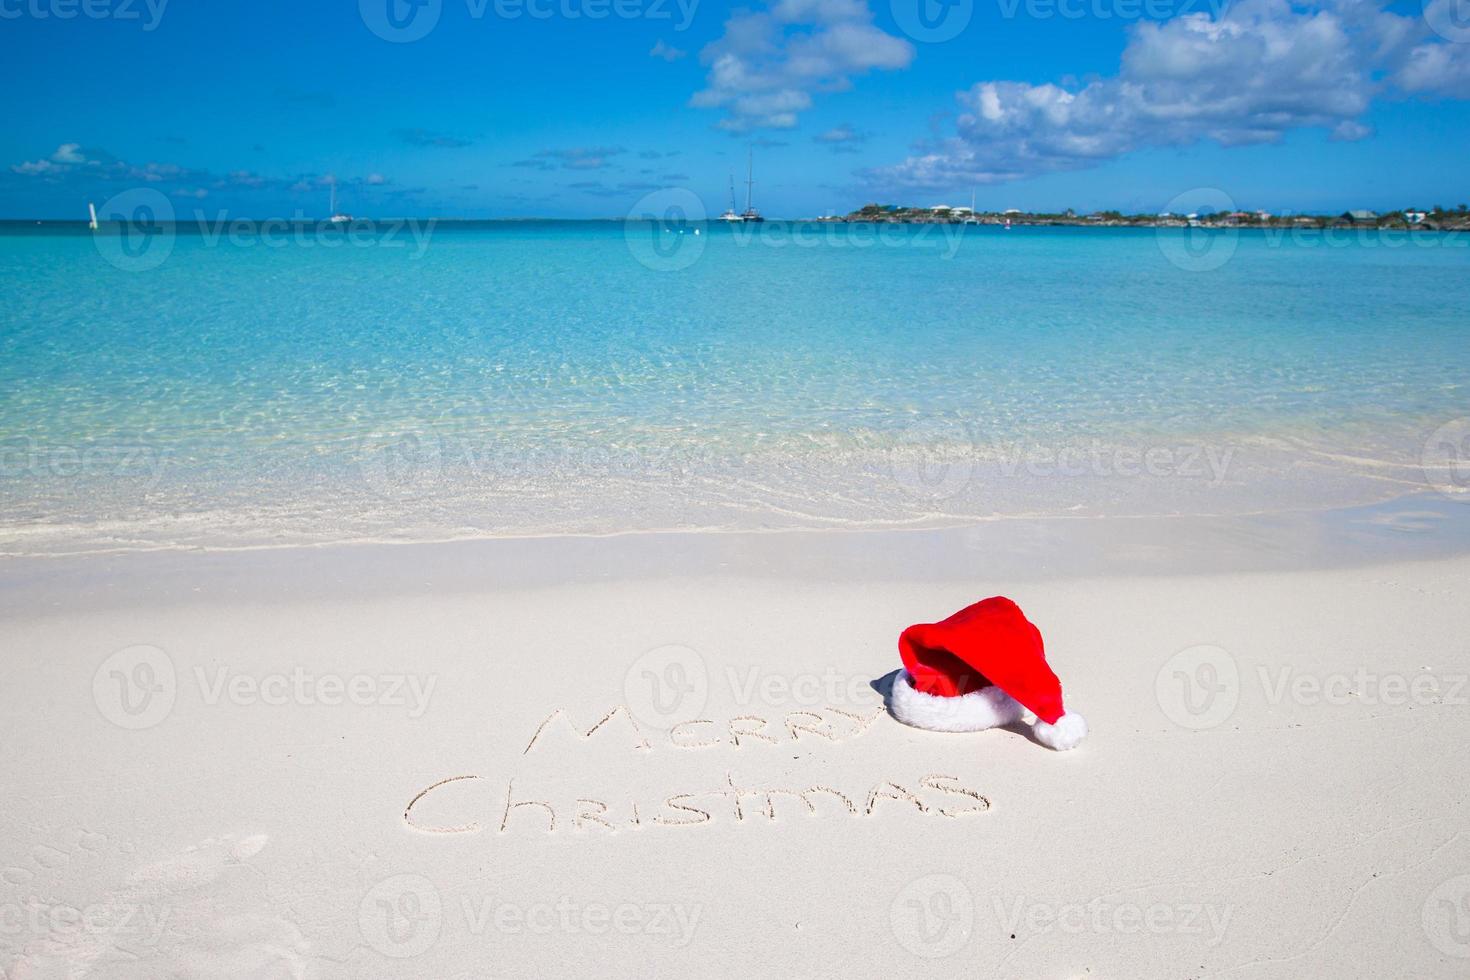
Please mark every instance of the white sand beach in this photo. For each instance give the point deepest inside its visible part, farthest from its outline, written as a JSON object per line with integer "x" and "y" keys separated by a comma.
{"x": 211, "y": 761}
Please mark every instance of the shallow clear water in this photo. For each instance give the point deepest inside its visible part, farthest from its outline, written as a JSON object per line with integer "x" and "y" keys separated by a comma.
{"x": 548, "y": 377}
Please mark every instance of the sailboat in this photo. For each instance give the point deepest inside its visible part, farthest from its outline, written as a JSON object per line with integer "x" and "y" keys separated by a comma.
{"x": 970, "y": 218}
{"x": 337, "y": 217}
{"x": 750, "y": 213}
{"x": 92, "y": 209}
{"x": 730, "y": 214}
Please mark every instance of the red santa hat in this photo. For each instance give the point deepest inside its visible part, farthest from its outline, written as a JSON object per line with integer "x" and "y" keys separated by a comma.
{"x": 978, "y": 669}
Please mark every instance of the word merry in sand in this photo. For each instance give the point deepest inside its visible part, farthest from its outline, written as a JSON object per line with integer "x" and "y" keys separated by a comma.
{"x": 827, "y": 724}
{"x": 937, "y": 795}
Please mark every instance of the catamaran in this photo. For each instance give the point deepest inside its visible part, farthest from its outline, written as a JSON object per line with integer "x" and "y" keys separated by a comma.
{"x": 750, "y": 213}
{"x": 337, "y": 217}
{"x": 730, "y": 214}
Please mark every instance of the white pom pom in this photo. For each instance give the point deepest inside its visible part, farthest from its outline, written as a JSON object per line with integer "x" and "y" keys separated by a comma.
{"x": 1067, "y": 733}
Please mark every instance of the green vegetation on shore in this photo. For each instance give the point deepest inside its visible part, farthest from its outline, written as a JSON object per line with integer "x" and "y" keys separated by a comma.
{"x": 1435, "y": 218}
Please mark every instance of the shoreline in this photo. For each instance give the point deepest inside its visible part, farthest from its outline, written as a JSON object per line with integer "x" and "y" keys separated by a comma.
{"x": 1423, "y": 527}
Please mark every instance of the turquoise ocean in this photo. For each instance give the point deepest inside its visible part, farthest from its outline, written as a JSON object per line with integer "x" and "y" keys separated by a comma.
{"x": 255, "y": 386}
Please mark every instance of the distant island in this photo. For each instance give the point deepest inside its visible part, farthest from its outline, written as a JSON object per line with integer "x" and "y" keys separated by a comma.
{"x": 1429, "y": 219}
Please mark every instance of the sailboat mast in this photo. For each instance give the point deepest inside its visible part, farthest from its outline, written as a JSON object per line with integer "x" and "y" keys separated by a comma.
{"x": 749, "y": 176}
{"x": 333, "y": 209}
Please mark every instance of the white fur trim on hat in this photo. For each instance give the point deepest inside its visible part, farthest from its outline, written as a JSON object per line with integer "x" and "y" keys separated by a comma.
{"x": 973, "y": 712}
{"x": 1067, "y": 733}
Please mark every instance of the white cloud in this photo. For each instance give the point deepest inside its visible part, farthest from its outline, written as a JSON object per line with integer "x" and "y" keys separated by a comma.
{"x": 1257, "y": 71}
{"x": 1436, "y": 69}
{"x": 31, "y": 168}
{"x": 666, "y": 51}
{"x": 75, "y": 164}
{"x": 68, "y": 153}
{"x": 841, "y": 134}
{"x": 764, "y": 69}
{"x": 575, "y": 158}
{"x": 68, "y": 156}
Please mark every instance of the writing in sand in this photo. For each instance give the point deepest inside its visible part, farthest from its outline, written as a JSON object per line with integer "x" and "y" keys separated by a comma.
{"x": 471, "y": 803}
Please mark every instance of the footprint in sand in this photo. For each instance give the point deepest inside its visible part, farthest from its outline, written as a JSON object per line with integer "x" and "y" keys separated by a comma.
{"x": 203, "y": 912}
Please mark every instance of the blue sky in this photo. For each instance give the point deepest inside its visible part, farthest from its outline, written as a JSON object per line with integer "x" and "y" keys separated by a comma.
{"x": 577, "y": 108}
